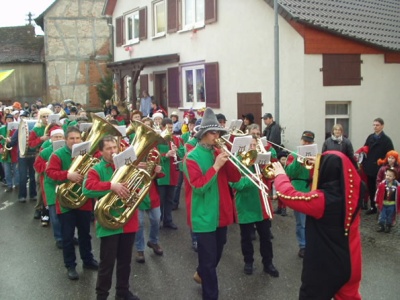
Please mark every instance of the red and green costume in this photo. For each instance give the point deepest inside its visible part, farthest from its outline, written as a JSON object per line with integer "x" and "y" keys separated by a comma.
{"x": 96, "y": 185}
{"x": 168, "y": 163}
{"x": 34, "y": 141}
{"x": 40, "y": 168}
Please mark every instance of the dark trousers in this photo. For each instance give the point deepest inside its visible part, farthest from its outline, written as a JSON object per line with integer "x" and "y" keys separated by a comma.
{"x": 209, "y": 250}
{"x": 178, "y": 188}
{"x": 264, "y": 231}
{"x": 2, "y": 175}
{"x": 81, "y": 220}
{"x": 167, "y": 193}
{"x": 25, "y": 168}
{"x": 113, "y": 248}
{"x": 372, "y": 190}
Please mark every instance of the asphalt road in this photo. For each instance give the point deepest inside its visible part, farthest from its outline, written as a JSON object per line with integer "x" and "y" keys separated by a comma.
{"x": 31, "y": 267}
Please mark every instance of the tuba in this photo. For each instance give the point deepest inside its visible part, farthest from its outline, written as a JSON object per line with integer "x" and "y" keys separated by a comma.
{"x": 69, "y": 194}
{"x": 111, "y": 211}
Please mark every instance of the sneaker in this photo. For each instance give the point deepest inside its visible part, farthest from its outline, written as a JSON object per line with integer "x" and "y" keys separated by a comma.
{"x": 3, "y": 182}
{"x": 283, "y": 213}
{"x": 9, "y": 190}
{"x": 72, "y": 274}
{"x": 33, "y": 198}
{"x": 248, "y": 268}
{"x": 301, "y": 252}
{"x": 271, "y": 270}
{"x": 21, "y": 200}
{"x": 37, "y": 214}
{"x": 387, "y": 228}
{"x": 197, "y": 278}
{"x": 381, "y": 228}
{"x": 59, "y": 244}
{"x": 91, "y": 265}
{"x": 129, "y": 296}
{"x": 156, "y": 248}
{"x": 45, "y": 221}
{"x": 171, "y": 226}
{"x": 140, "y": 257}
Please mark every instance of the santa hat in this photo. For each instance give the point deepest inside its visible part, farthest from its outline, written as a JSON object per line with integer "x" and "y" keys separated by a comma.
{"x": 158, "y": 115}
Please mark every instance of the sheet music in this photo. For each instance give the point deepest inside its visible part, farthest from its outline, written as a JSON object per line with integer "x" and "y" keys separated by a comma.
{"x": 241, "y": 144}
{"x": 125, "y": 158}
{"x": 12, "y": 125}
{"x": 122, "y": 129}
{"x": 53, "y": 119}
{"x": 58, "y": 144}
{"x": 235, "y": 124}
{"x": 80, "y": 149}
{"x": 100, "y": 114}
{"x": 263, "y": 158}
{"x": 308, "y": 150}
{"x": 85, "y": 126}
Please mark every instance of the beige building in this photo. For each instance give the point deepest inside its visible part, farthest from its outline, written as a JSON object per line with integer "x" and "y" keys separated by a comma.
{"x": 77, "y": 49}
{"x": 339, "y": 61}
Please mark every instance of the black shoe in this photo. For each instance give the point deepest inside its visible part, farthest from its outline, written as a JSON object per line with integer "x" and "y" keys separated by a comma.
{"x": 387, "y": 228}
{"x": 59, "y": 244}
{"x": 92, "y": 265}
{"x": 170, "y": 226}
{"x": 301, "y": 252}
{"x": 129, "y": 296}
{"x": 248, "y": 268}
{"x": 364, "y": 205}
{"x": 72, "y": 274}
{"x": 37, "y": 214}
{"x": 283, "y": 213}
{"x": 271, "y": 270}
{"x": 372, "y": 211}
{"x": 278, "y": 211}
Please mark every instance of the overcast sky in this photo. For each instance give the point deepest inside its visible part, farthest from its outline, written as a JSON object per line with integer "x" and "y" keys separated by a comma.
{"x": 15, "y": 12}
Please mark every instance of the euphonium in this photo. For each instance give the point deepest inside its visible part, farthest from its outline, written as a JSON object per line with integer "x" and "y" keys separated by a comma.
{"x": 111, "y": 211}
{"x": 69, "y": 194}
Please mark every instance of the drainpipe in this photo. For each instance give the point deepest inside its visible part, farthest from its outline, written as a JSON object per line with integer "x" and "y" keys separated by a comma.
{"x": 276, "y": 60}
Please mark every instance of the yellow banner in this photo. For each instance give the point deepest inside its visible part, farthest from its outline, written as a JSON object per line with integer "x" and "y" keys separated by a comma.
{"x": 5, "y": 73}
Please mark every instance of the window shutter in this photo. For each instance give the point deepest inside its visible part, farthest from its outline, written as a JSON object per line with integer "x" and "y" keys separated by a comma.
{"x": 212, "y": 85}
{"x": 143, "y": 23}
{"x": 173, "y": 87}
{"x": 119, "y": 32}
{"x": 210, "y": 11}
{"x": 341, "y": 69}
{"x": 144, "y": 83}
{"x": 172, "y": 16}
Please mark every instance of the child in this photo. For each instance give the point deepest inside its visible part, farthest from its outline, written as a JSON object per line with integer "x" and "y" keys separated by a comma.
{"x": 387, "y": 199}
{"x": 391, "y": 161}
{"x": 281, "y": 210}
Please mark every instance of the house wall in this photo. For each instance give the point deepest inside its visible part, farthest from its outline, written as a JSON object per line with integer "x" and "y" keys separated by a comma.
{"x": 242, "y": 42}
{"x": 26, "y": 83}
{"x": 77, "y": 47}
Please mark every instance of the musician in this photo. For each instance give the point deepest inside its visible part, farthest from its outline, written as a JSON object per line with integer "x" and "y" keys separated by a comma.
{"x": 57, "y": 172}
{"x": 208, "y": 172}
{"x": 117, "y": 116}
{"x": 36, "y": 139}
{"x": 157, "y": 119}
{"x": 301, "y": 179}
{"x": 332, "y": 262}
{"x": 49, "y": 194}
{"x": 10, "y": 162}
{"x": 115, "y": 245}
{"x": 251, "y": 212}
{"x": 170, "y": 154}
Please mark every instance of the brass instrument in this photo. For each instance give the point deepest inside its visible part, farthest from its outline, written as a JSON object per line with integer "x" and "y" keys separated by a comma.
{"x": 7, "y": 150}
{"x": 111, "y": 211}
{"x": 267, "y": 171}
{"x": 62, "y": 114}
{"x": 69, "y": 194}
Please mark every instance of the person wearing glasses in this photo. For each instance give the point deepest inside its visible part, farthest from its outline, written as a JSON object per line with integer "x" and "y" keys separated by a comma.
{"x": 210, "y": 211}
{"x": 35, "y": 141}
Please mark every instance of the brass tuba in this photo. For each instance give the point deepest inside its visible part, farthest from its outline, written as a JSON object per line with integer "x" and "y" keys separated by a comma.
{"x": 69, "y": 194}
{"x": 111, "y": 211}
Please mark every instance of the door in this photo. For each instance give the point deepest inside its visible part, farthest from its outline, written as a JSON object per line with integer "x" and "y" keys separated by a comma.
{"x": 250, "y": 103}
{"x": 160, "y": 89}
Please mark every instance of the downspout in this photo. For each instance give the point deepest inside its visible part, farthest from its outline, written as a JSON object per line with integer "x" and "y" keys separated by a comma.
{"x": 276, "y": 60}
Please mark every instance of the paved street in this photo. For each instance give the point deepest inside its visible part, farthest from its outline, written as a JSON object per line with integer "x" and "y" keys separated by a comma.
{"x": 32, "y": 267}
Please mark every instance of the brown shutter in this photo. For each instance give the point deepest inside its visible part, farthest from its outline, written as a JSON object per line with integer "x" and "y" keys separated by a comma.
{"x": 143, "y": 23}
{"x": 172, "y": 16}
{"x": 212, "y": 84}
{"x": 173, "y": 87}
{"x": 119, "y": 31}
{"x": 341, "y": 69}
{"x": 144, "y": 83}
{"x": 210, "y": 11}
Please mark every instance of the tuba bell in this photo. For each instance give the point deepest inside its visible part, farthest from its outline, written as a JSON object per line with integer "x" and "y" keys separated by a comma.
{"x": 69, "y": 194}
{"x": 111, "y": 211}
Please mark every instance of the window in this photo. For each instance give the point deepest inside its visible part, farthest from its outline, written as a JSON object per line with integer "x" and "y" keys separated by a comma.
{"x": 193, "y": 84}
{"x": 132, "y": 27}
{"x": 193, "y": 13}
{"x": 159, "y": 17}
{"x": 341, "y": 69}
{"x": 337, "y": 113}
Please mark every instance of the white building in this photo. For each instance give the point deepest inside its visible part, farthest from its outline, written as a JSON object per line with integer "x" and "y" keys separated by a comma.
{"x": 339, "y": 60}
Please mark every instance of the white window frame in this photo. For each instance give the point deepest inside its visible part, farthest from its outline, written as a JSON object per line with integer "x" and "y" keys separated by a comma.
{"x": 133, "y": 40}
{"x": 156, "y": 7}
{"x": 195, "y": 24}
{"x": 335, "y": 117}
{"x": 195, "y": 104}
